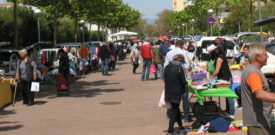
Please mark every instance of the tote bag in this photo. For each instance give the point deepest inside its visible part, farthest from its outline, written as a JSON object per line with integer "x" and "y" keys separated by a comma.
{"x": 162, "y": 102}
{"x": 35, "y": 87}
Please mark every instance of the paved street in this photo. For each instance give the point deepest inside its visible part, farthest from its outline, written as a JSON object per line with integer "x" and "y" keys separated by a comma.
{"x": 83, "y": 112}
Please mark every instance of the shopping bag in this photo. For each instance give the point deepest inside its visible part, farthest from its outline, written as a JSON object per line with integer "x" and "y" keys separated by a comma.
{"x": 113, "y": 58}
{"x": 162, "y": 102}
{"x": 35, "y": 87}
{"x": 211, "y": 67}
{"x": 153, "y": 69}
{"x": 61, "y": 83}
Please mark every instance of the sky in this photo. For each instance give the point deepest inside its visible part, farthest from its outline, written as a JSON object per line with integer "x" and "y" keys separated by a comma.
{"x": 3, "y": 1}
{"x": 150, "y": 8}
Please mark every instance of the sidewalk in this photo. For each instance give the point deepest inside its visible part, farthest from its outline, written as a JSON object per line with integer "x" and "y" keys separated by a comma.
{"x": 134, "y": 110}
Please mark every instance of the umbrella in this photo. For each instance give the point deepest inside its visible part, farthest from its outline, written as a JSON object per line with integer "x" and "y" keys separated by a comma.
{"x": 164, "y": 37}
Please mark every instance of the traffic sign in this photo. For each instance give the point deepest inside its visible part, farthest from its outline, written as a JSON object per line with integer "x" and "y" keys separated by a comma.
{"x": 211, "y": 20}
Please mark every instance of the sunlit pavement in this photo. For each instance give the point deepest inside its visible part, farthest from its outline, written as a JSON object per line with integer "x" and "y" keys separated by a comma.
{"x": 119, "y": 104}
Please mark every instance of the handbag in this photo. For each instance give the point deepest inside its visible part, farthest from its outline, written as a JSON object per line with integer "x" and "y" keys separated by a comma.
{"x": 153, "y": 69}
{"x": 35, "y": 87}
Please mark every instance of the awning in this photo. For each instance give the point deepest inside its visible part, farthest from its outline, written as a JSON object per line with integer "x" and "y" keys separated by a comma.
{"x": 265, "y": 21}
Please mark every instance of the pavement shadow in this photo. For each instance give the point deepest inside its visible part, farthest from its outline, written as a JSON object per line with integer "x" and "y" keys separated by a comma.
{"x": 40, "y": 102}
{"x": 78, "y": 89}
{"x": 8, "y": 128}
{"x": 5, "y": 112}
{"x": 81, "y": 84}
{"x": 92, "y": 92}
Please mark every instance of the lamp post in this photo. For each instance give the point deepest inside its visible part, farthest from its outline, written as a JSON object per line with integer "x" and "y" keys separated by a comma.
{"x": 178, "y": 30}
{"x": 82, "y": 22}
{"x": 193, "y": 21}
{"x": 183, "y": 30}
{"x": 210, "y": 11}
{"x": 260, "y": 17}
{"x": 37, "y": 13}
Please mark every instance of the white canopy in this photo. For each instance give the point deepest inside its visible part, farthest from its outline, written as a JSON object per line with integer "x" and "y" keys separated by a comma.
{"x": 124, "y": 33}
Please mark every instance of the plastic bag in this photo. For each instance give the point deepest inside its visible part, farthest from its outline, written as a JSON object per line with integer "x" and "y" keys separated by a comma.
{"x": 162, "y": 102}
{"x": 211, "y": 67}
{"x": 153, "y": 69}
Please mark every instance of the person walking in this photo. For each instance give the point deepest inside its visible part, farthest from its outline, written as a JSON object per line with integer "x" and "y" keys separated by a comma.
{"x": 157, "y": 60}
{"x": 26, "y": 73}
{"x": 147, "y": 56}
{"x": 256, "y": 96}
{"x": 135, "y": 58}
{"x": 222, "y": 72}
{"x": 105, "y": 54}
{"x": 64, "y": 68}
{"x": 175, "y": 81}
{"x": 113, "y": 56}
{"x": 169, "y": 57}
{"x": 164, "y": 49}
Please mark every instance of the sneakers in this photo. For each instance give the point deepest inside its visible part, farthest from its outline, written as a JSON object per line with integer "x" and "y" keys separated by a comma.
{"x": 240, "y": 108}
{"x": 232, "y": 116}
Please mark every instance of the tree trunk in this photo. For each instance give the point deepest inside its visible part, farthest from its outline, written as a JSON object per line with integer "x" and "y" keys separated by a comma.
{"x": 250, "y": 16}
{"x": 98, "y": 31}
{"x": 218, "y": 19}
{"x": 15, "y": 23}
{"x": 55, "y": 28}
{"x": 90, "y": 30}
{"x": 75, "y": 29}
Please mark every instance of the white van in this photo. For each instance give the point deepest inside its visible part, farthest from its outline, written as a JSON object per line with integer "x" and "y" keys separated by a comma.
{"x": 231, "y": 45}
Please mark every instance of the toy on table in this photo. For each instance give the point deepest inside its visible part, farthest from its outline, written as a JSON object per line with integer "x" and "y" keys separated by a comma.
{"x": 198, "y": 75}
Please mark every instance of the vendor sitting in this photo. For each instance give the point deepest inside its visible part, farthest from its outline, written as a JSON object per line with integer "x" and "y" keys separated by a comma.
{"x": 222, "y": 72}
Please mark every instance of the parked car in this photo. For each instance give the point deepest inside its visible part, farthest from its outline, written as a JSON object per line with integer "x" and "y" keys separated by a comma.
{"x": 269, "y": 68}
{"x": 229, "y": 43}
{"x": 247, "y": 37}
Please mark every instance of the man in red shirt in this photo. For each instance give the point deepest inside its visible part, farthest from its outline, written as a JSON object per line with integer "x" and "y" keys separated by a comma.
{"x": 147, "y": 56}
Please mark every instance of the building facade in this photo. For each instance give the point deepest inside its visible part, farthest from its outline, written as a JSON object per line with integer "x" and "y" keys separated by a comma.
{"x": 179, "y": 5}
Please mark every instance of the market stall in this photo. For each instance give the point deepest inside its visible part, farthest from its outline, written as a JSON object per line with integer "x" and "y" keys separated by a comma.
{"x": 5, "y": 93}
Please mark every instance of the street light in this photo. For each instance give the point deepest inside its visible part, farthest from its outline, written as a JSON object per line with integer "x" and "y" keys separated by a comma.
{"x": 260, "y": 17}
{"x": 183, "y": 30}
{"x": 210, "y": 11}
{"x": 82, "y": 22}
{"x": 37, "y": 13}
{"x": 178, "y": 30}
{"x": 193, "y": 21}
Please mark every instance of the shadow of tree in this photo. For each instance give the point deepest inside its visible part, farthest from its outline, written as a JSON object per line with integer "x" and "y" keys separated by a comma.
{"x": 79, "y": 89}
{"x": 4, "y": 112}
{"x": 92, "y": 92}
{"x": 7, "y": 128}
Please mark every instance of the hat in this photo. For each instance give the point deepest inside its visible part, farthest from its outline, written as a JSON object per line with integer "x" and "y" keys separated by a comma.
{"x": 211, "y": 48}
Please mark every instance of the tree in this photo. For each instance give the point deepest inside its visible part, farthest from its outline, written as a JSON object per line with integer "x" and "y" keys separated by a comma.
{"x": 162, "y": 26}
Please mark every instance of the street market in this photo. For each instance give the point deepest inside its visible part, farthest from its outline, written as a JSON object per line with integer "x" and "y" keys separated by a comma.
{"x": 147, "y": 67}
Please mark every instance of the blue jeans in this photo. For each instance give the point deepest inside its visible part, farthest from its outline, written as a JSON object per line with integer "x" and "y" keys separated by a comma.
{"x": 238, "y": 91}
{"x": 230, "y": 104}
{"x": 105, "y": 66}
{"x": 160, "y": 69}
{"x": 146, "y": 66}
{"x": 186, "y": 107}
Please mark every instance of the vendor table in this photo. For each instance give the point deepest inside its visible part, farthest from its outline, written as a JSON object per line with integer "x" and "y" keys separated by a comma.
{"x": 5, "y": 93}
{"x": 222, "y": 92}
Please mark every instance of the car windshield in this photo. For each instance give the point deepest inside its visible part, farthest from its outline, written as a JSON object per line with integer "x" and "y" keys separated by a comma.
{"x": 250, "y": 38}
{"x": 271, "y": 49}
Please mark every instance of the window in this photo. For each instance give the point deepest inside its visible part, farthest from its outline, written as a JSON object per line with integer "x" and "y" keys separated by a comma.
{"x": 271, "y": 49}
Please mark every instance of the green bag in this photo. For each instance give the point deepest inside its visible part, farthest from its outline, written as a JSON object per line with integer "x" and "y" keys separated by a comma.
{"x": 210, "y": 66}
